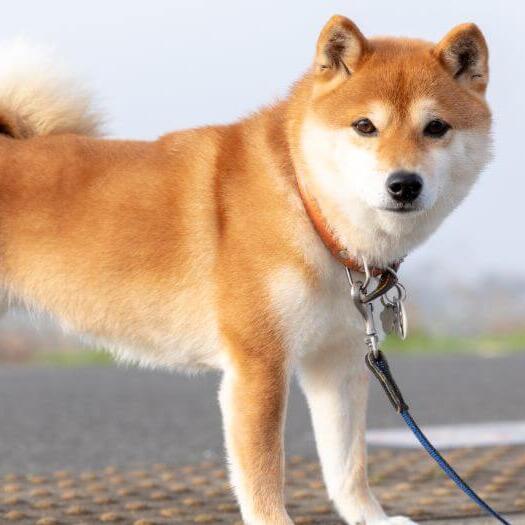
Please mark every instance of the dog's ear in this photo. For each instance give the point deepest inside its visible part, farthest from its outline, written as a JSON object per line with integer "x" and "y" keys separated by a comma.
{"x": 340, "y": 48}
{"x": 464, "y": 53}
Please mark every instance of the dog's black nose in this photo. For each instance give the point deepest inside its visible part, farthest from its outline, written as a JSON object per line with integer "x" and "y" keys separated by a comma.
{"x": 404, "y": 186}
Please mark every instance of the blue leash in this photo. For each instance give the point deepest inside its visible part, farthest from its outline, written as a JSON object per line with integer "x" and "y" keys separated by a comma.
{"x": 379, "y": 367}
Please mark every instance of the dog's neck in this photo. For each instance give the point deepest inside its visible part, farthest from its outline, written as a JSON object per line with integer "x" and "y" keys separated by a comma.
{"x": 341, "y": 252}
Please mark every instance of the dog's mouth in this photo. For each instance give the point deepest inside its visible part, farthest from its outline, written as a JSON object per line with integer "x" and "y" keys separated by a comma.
{"x": 404, "y": 208}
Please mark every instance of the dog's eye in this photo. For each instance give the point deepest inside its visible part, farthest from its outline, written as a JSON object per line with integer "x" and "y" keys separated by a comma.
{"x": 364, "y": 126}
{"x": 436, "y": 128}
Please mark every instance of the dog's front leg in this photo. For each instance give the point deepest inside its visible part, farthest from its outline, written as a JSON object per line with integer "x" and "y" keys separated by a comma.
{"x": 336, "y": 387}
{"x": 253, "y": 399}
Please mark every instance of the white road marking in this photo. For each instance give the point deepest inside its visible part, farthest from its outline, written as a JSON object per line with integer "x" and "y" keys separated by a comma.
{"x": 452, "y": 436}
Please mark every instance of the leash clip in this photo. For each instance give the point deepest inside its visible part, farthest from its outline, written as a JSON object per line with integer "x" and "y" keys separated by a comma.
{"x": 363, "y": 301}
{"x": 366, "y": 309}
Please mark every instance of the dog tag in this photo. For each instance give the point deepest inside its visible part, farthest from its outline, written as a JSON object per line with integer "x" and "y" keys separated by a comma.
{"x": 400, "y": 319}
{"x": 387, "y": 318}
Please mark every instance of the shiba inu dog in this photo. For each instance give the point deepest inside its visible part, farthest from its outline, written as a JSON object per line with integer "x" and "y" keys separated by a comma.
{"x": 210, "y": 247}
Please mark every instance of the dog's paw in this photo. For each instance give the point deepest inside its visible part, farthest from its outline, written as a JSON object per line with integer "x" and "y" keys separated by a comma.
{"x": 366, "y": 510}
{"x": 395, "y": 520}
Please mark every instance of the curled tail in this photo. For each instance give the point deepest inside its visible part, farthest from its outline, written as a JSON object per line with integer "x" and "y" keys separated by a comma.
{"x": 38, "y": 96}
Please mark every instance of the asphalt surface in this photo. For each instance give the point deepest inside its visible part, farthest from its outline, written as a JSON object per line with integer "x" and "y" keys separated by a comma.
{"x": 90, "y": 418}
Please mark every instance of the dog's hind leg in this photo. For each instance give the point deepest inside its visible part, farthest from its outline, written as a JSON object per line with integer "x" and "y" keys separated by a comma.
{"x": 253, "y": 399}
{"x": 335, "y": 383}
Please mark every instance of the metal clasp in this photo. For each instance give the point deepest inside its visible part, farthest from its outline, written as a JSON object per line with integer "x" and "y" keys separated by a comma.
{"x": 387, "y": 281}
{"x": 367, "y": 312}
{"x": 363, "y": 301}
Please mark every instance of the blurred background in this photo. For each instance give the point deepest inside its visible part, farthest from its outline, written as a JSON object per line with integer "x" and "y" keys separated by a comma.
{"x": 162, "y": 65}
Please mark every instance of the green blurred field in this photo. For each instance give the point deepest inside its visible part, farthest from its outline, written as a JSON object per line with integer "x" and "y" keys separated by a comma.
{"x": 416, "y": 343}
{"x": 71, "y": 359}
{"x": 490, "y": 344}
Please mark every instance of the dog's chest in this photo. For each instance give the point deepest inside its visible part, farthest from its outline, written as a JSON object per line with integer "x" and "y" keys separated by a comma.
{"x": 316, "y": 317}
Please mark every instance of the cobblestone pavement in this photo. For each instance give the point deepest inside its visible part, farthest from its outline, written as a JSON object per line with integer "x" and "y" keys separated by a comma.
{"x": 405, "y": 482}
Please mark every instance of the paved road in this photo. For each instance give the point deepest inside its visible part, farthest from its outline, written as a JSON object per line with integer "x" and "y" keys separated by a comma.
{"x": 93, "y": 417}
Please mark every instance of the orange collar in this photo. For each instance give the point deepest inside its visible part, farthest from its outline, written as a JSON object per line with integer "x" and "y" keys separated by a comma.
{"x": 329, "y": 239}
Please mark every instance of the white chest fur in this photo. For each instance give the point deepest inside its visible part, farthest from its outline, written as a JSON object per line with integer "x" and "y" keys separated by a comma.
{"x": 320, "y": 317}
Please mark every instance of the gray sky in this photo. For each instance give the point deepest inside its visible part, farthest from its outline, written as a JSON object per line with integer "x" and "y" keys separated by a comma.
{"x": 161, "y": 65}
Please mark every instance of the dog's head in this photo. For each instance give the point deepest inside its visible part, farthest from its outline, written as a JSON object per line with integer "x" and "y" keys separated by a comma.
{"x": 392, "y": 133}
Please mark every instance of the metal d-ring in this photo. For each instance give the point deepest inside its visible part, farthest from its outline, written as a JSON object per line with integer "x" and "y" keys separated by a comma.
{"x": 368, "y": 276}
{"x": 387, "y": 281}
{"x": 349, "y": 276}
{"x": 401, "y": 295}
